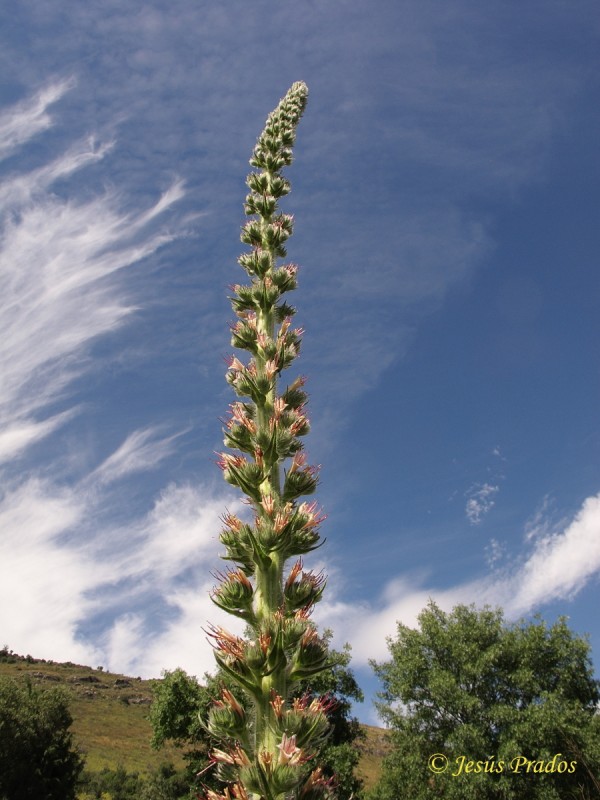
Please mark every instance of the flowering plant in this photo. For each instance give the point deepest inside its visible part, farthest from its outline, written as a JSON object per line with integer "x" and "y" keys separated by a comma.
{"x": 266, "y": 752}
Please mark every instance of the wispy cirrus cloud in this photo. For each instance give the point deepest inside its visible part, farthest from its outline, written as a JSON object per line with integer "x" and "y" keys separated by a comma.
{"x": 142, "y": 450}
{"x": 60, "y": 289}
{"x": 26, "y": 119}
{"x": 17, "y": 191}
{"x": 17, "y": 435}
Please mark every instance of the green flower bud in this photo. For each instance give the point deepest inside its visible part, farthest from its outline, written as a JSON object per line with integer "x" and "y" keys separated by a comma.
{"x": 262, "y": 204}
{"x": 302, "y": 589}
{"x": 284, "y": 310}
{"x": 299, "y": 482}
{"x": 284, "y": 778}
{"x": 234, "y": 594}
{"x": 252, "y": 234}
{"x": 259, "y": 262}
{"x": 310, "y": 656}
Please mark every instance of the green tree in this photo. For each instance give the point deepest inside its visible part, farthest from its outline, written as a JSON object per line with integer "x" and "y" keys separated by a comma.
{"x": 179, "y": 706}
{"x": 37, "y": 756}
{"x": 166, "y": 783}
{"x": 110, "y": 784}
{"x": 473, "y": 689}
{"x": 181, "y": 703}
{"x": 163, "y": 783}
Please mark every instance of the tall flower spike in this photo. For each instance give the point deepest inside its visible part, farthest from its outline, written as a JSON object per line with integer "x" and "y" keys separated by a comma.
{"x": 267, "y": 426}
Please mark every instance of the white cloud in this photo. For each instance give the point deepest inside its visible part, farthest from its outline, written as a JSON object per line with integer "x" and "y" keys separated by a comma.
{"x": 556, "y": 568}
{"x": 480, "y": 502}
{"x": 174, "y": 549}
{"x": 30, "y": 117}
{"x": 54, "y": 263}
{"x": 494, "y": 552}
{"x": 366, "y": 626}
{"x": 63, "y": 561}
{"x": 544, "y": 522}
{"x": 56, "y": 574}
{"x": 60, "y": 262}
{"x": 19, "y": 190}
{"x": 135, "y": 649}
{"x": 141, "y": 451}
{"x": 561, "y": 563}
{"x": 16, "y": 438}
{"x": 179, "y": 533}
{"x": 43, "y": 584}
{"x": 123, "y": 642}
{"x": 60, "y": 288}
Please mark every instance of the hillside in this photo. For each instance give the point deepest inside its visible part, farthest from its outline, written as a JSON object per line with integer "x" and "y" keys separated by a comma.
{"x": 110, "y": 716}
{"x": 110, "y": 711}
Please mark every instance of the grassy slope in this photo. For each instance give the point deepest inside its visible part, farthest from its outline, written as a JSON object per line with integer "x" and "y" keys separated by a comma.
{"x": 374, "y": 748}
{"x": 110, "y": 717}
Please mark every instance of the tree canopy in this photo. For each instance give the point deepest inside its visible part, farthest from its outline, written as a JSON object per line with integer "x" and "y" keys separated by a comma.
{"x": 483, "y": 709}
{"x": 37, "y": 757}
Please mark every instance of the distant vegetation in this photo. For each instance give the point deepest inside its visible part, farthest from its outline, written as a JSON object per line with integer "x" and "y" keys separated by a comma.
{"x": 112, "y": 731}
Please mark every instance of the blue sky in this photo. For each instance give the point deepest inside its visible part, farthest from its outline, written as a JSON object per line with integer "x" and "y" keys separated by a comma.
{"x": 446, "y": 192}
